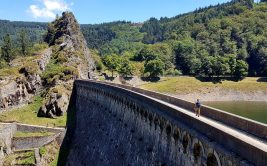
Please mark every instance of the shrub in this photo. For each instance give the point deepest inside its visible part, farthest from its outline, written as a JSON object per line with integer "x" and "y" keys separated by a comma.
{"x": 55, "y": 72}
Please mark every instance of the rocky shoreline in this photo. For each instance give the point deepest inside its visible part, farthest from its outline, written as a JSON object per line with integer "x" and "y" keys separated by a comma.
{"x": 225, "y": 95}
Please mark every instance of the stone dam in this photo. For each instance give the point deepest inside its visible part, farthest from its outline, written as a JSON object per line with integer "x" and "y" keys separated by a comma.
{"x": 121, "y": 125}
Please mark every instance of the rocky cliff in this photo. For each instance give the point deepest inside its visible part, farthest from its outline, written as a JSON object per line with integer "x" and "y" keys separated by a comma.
{"x": 70, "y": 59}
{"x": 20, "y": 82}
{"x": 50, "y": 73}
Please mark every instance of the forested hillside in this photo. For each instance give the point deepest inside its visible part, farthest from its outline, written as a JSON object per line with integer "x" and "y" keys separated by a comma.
{"x": 224, "y": 40}
{"x": 34, "y": 30}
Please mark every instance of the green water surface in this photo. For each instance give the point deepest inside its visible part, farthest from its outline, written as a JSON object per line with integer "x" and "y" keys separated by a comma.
{"x": 250, "y": 109}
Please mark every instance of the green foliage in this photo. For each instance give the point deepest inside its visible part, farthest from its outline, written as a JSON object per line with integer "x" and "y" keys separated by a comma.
{"x": 160, "y": 50}
{"x": 98, "y": 62}
{"x": 56, "y": 72}
{"x": 42, "y": 151}
{"x": 112, "y": 62}
{"x": 38, "y": 47}
{"x": 125, "y": 67}
{"x": 6, "y": 49}
{"x": 153, "y": 30}
{"x": 9, "y": 71}
{"x": 23, "y": 42}
{"x": 26, "y": 158}
{"x": 172, "y": 72}
{"x": 194, "y": 43}
{"x": 34, "y": 30}
{"x": 241, "y": 69}
{"x": 220, "y": 67}
{"x": 3, "y": 64}
{"x": 154, "y": 67}
{"x": 97, "y": 35}
{"x": 27, "y": 115}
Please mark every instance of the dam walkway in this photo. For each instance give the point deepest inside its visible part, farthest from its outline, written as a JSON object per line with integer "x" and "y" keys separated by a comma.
{"x": 173, "y": 132}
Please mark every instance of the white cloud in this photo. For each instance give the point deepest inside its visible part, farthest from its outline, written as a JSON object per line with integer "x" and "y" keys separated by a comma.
{"x": 49, "y": 8}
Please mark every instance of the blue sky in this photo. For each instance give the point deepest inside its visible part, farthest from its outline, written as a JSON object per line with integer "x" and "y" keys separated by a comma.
{"x": 98, "y": 11}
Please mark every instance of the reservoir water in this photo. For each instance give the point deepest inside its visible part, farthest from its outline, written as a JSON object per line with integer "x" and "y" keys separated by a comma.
{"x": 250, "y": 109}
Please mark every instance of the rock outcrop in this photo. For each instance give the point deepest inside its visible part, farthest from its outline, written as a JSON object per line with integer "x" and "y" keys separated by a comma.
{"x": 51, "y": 72}
{"x": 70, "y": 58}
{"x": 20, "y": 88}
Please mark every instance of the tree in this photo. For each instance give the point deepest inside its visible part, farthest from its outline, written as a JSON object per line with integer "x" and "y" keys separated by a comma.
{"x": 206, "y": 67}
{"x": 23, "y": 42}
{"x": 153, "y": 31}
{"x": 154, "y": 67}
{"x": 241, "y": 69}
{"x": 186, "y": 56}
{"x": 125, "y": 68}
{"x": 220, "y": 66}
{"x": 232, "y": 63}
{"x": 50, "y": 36}
{"x": 146, "y": 54}
{"x": 7, "y": 49}
{"x": 262, "y": 61}
{"x": 111, "y": 62}
{"x": 242, "y": 54}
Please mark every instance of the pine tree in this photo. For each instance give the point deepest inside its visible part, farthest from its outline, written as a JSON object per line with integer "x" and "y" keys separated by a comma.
{"x": 23, "y": 42}
{"x": 7, "y": 49}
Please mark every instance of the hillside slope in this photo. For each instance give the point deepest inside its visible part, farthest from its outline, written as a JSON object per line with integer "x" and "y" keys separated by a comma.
{"x": 224, "y": 40}
{"x": 50, "y": 73}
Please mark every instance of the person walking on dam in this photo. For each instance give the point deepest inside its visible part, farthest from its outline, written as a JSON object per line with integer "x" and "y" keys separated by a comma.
{"x": 197, "y": 108}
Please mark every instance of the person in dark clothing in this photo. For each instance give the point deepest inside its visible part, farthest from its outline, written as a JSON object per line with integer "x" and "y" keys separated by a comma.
{"x": 197, "y": 108}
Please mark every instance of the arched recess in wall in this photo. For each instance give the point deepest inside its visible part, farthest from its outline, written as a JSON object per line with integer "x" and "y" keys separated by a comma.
{"x": 156, "y": 121}
{"x": 186, "y": 142}
{"x": 198, "y": 151}
{"x": 162, "y": 123}
{"x": 168, "y": 129}
{"x": 176, "y": 134}
{"x": 213, "y": 159}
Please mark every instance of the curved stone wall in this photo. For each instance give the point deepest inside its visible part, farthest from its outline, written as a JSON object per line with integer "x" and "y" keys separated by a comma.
{"x": 115, "y": 126}
{"x": 252, "y": 127}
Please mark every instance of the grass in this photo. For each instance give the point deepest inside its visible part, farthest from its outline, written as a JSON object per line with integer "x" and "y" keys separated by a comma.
{"x": 29, "y": 62}
{"x": 49, "y": 153}
{"x": 9, "y": 71}
{"x": 20, "y": 134}
{"x": 185, "y": 85}
{"x": 26, "y": 158}
{"x": 42, "y": 151}
{"x": 28, "y": 115}
{"x": 20, "y": 158}
{"x": 56, "y": 71}
{"x": 55, "y": 161}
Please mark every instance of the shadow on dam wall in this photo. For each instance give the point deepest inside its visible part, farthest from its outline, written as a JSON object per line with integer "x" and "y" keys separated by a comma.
{"x": 70, "y": 128}
{"x": 108, "y": 125}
